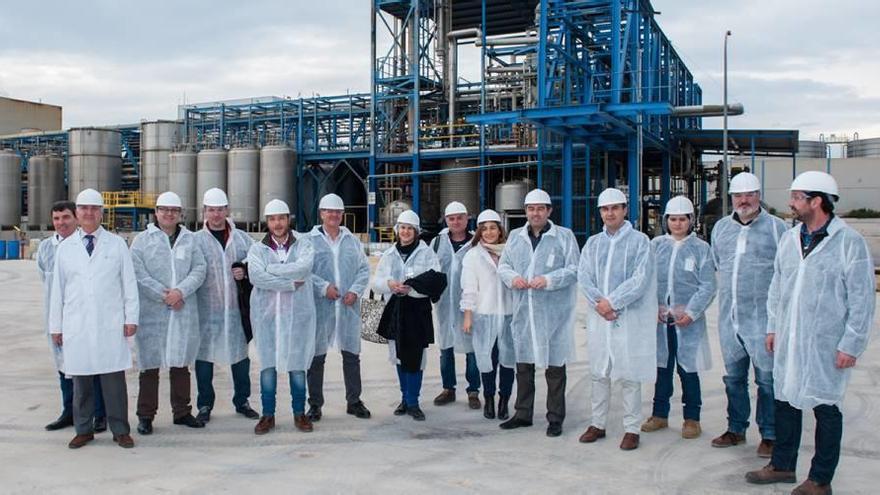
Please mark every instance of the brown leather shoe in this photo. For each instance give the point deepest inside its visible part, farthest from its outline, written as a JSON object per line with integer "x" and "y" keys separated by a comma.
{"x": 474, "y": 400}
{"x": 691, "y": 429}
{"x": 265, "y": 425}
{"x": 445, "y": 397}
{"x": 654, "y": 423}
{"x": 768, "y": 474}
{"x": 80, "y": 440}
{"x": 303, "y": 423}
{"x": 125, "y": 441}
{"x": 810, "y": 487}
{"x": 765, "y": 449}
{"x": 591, "y": 435}
{"x": 630, "y": 442}
{"x": 729, "y": 439}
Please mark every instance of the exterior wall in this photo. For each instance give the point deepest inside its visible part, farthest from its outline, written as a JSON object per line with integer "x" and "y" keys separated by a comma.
{"x": 18, "y": 115}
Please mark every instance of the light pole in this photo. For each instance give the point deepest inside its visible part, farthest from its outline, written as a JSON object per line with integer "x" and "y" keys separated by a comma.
{"x": 722, "y": 174}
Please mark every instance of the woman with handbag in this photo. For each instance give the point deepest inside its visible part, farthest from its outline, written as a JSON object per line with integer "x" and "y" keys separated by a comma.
{"x": 487, "y": 306}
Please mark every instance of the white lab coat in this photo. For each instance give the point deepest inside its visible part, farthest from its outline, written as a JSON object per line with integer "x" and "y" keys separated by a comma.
{"x": 45, "y": 266}
{"x": 447, "y": 316}
{"x": 93, "y": 297}
{"x": 483, "y": 293}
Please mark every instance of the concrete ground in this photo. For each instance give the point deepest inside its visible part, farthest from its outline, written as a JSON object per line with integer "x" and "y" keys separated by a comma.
{"x": 455, "y": 450}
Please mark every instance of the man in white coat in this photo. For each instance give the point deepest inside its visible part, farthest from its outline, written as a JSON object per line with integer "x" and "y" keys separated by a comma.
{"x": 94, "y": 308}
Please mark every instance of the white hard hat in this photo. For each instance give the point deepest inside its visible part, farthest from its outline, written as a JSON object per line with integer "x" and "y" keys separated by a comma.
{"x": 331, "y": 202}
{"x": 409, "y": 217}
{"x": 276, "y": 207}
{"x": 611, "y": 196}
{"x": 215, "y": 197}
{"x": 679, "y": 205}
{"x": 815, "y": 181}
{"x": 455, "y": 208}
{"x": 169, "y": 199}
{"x": 744, "y": 182}
{"x": 89, "y": 197}
{"x": 537, "y": 197}
{"x": 488, "y": 216}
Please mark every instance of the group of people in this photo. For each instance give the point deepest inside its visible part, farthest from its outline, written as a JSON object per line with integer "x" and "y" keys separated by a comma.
{"x": 795, "y": 304}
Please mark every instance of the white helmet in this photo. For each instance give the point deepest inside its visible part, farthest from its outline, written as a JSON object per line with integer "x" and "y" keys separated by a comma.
{"x": 611, "y": 196}
{"x": 215, "y": 197}
{"x": 679, "y": 205}
{"x": 169, "y": 199}
{"x": 276, "y": 207}
{"x": 488, "y": 216}
{"x": 537, "y": 197}
{"x": 744, "y": 182}
{"x": 455, "y": 208}
{"x": 89, "y": 197}
{"x": 331, "y": 202}
{"x": 815, "y": 181}
{"x": 408, "y": 217}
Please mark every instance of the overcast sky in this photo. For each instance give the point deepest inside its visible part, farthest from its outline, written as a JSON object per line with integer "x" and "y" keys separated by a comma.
{"x": 794, "y": 64}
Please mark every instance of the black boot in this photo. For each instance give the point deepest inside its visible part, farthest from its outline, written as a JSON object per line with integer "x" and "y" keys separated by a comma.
{"x": 502, "y": 407}
{"x": 489, "y": 407}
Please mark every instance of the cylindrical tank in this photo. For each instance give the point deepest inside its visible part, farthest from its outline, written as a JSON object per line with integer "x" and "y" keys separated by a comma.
{"x": 10, "y": 188}
{"x": 182, "y": 180}
{"x": 863, "y": 148}
{"x": 94, "y": 160}
{"x": 277, "y": 176}
{"x": 459, "y": 186}
{"x": 388, "y": 215}
{"x": 509, "y": 196}
{"x": 244, "y": 185}
{"x": 158, "y": 140}
{"x": 210, "y": 172}
{"x": 811, "y": 149}
{"x": 45, "y": 187}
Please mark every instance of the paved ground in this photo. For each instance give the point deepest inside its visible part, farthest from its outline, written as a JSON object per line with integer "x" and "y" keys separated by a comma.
{"x": 455, "y": 450}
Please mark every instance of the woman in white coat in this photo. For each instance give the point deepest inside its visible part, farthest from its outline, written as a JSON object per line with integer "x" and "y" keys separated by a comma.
{"x": 487, "y": 306}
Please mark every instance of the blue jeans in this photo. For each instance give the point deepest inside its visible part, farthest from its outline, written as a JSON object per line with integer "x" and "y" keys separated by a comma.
{"x": 506, "y": 377}
{"x": 67, "y": 396}
{"x": 241, "y": 382}
{"x": 829, "y": 430}
{"x": 410, "y": 386}
{"x": 691, "y": 397}
{"x": 269, "y": 388}
{"x": 447, "y": 370}
{"x": 736, "y": 385}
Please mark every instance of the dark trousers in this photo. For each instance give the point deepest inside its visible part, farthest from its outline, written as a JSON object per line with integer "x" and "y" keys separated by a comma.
{"x": 67, "y": 396}
{"x": 241, "y": 383}
{"x": 410, "y": 385}
{"x": 506, "y": 377}
{"x": 115, "y": 395}
{"x": 691, "y": 397}
{"x": 525, "y": 392}
{"x": 148, "y": 392}
{"x": 351, "y": 373}
{"x": 447, "y": 370}
{"x": 829, "y": 430}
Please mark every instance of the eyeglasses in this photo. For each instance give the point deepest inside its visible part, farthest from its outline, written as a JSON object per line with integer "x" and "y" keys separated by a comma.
{"x": 799, "y": 197}
{"x": 751, "y": 194}
{"x": 167, "y": 209}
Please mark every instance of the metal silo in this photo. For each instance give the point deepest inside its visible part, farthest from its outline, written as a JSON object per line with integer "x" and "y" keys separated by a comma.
{"x": 277, "y": 176}
{"x": 158, "y": 139}
{"x": 45, "y": 186}
{"x": 182, "y": 180}
{"x": 811, "y": 149}
{"x": 244, "y": 185}
{"x": 863, "y": 148}
{"x": 459, "y": 186}
{"x": 210, "y": 172}
{"x": 10, "y": 188}
{"x": 509, "y": 196}
{"x": 94, "y": 160}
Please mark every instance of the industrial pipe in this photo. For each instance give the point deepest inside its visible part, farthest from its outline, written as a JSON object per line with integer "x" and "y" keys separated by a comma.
{"x": 452, "y": 69}
{"x": 707, "y": 110}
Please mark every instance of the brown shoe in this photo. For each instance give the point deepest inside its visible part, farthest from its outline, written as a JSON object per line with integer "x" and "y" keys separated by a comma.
{"x": 729, "y": 439}
{"x": 630, "y": 442}
{"x": 691, "y": 429}
{"x": 80, "y": 440}
{"x": 474, "y": 400}
{"x": 810, "y": 487}
{"x": 654, "y": 423}
{"x": 591, "y": 435}
{"x": 265, "y": 425}
{"x": 765, "y": 449}
{"x": 303, "y": 423}
{"x": 768, "y": 474}
{"x": 125, "y": 441}
{"x": 445, "y": 397}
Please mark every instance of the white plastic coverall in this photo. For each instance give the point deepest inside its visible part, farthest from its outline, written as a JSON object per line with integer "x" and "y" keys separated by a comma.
{"x": 543, "y": 319}
{"x": 744, "y": 259}
{"x": 93, "y": 297}
{"x": 621, "y": 270}
{"x": 685, "y": 286}
{"x": 392, "y": 267}
{"x": 817, "y": 306}
{"x": 343, "y": 264}
{"x": 222, "y": 335}
{"x": 167, "y": 338}
{"x": 447, "y": 316}
{"x": 282, "y": 314}
{"x": 483, "y": 293}
{"x": 45, "y": 266}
